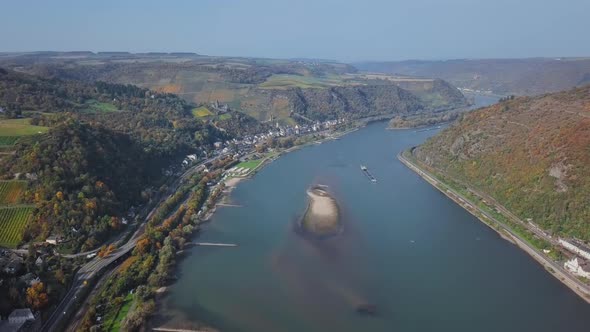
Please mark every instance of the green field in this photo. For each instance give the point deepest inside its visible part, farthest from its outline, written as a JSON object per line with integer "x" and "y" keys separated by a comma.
{"x": 201, "y": 112}
{"x": 113, "y": 320}
{"x": 250, "y": 164}
{"x": 11, "y": 129}
{"x": 94, "y": 106}
{"x": 11, "y": 191}
{"x": 13, "y": 221}
{"x": 225, "y": 116}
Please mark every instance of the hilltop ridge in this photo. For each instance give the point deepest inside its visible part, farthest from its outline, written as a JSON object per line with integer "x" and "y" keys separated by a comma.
{"x": 284, "y": 91}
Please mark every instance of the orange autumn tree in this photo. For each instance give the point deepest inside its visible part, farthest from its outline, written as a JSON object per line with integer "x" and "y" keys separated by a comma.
{"x": 115, "y": 223}
{"x": 36, "y": 296}
{"x": 142, "y": 245}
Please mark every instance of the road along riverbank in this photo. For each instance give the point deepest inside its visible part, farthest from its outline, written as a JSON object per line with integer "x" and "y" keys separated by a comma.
{"x": 503, "y": 230}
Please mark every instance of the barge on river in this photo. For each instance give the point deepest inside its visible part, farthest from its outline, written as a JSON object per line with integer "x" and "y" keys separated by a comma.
{"x": 368, "y": 174}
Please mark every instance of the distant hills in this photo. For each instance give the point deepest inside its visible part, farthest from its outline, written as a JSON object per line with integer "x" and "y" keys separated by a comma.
{"x": 286, "y": 91}
{"x": 500, "y": 76}
{"x": 532, "y": 154}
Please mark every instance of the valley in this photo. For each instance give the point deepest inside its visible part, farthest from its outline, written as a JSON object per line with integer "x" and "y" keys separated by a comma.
{"x": 112, "y": 164}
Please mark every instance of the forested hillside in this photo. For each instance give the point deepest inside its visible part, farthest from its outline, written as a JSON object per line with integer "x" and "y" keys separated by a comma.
{"x": 33, "y": 93}
{"x": 106, "y": 144}
{"x": 532, "y": 154}
{"x": 161, "y": 122}
{"x": 87, "y": 177}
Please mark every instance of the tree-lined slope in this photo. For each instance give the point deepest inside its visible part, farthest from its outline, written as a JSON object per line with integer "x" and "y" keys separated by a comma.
{"x": 90, "y": 167}
{"x": 531, "y": 154}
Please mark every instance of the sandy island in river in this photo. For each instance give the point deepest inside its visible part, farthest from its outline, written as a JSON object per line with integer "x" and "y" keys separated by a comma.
{"x": 322, "y": 216}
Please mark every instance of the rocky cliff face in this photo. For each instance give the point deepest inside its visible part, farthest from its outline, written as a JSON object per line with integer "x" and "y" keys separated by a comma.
{"x": 354, "y": 101}
{"x": 358, "y": 101}
{"x": 530, "y": 154}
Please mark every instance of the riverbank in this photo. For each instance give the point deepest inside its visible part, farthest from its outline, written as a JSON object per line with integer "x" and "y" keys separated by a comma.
{"x": 225, "y": 188}
{"x": 314, "y": 285}
{"x": 233, "y": 182}
{"x": 504, "y": 231}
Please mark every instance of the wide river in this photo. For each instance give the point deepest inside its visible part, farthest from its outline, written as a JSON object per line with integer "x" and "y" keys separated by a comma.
{"x": 423, "y": 262}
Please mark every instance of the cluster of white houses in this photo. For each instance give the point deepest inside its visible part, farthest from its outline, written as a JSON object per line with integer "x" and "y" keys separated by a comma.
{"x": 577, "y": 266}
{"x": 239, "y": 147}
{"x": 286, "y": 131}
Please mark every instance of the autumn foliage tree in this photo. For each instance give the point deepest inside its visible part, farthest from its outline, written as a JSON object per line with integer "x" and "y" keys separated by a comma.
{"x": 36, "y": 296}
{"x": 106, "y": 250}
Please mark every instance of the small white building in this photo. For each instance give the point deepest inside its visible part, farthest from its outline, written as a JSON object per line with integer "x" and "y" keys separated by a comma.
{"x": 581, "y": 269}
{"x": 52, "y": 240}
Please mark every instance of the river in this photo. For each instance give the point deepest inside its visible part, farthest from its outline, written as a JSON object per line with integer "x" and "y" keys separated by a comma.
{"x": 423, "y": 262}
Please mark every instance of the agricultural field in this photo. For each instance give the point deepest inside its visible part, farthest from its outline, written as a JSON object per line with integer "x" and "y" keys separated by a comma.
{"x": 201, "y": 112}
{"x": 13, "y": 221}
{"x": 11, "y": 128}
{"x": 11, "y": 191}
{"x": 296, "y": 81}
{"x": 170, "y": 88}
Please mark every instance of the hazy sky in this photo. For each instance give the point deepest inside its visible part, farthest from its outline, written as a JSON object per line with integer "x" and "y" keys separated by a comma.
{"x": 343, "y": 30}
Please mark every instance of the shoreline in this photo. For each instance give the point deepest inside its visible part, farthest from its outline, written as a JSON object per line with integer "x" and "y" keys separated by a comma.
{"x": 230, "y": 184}
{"x": 550, "y": 266}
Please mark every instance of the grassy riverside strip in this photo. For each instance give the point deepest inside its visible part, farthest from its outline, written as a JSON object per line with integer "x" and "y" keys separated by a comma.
{"x": 501, "y": 226}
